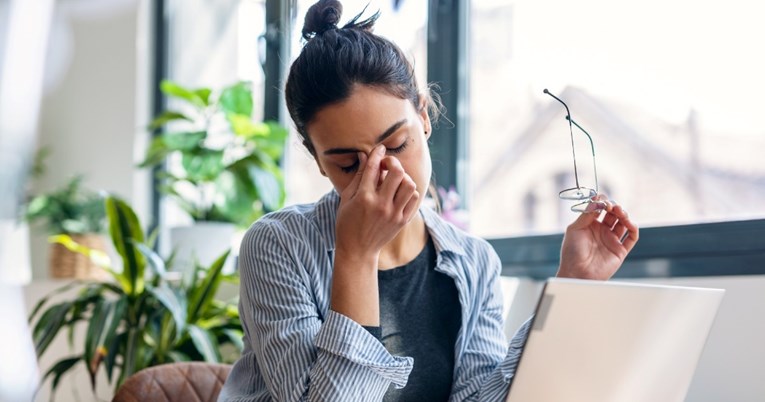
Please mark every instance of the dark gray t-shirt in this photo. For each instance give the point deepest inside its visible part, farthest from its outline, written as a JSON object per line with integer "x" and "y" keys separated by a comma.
{"x": 420, "y": 318}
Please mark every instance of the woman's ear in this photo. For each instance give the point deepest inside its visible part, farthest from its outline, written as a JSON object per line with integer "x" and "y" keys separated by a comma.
{"x": 423, "y": 112}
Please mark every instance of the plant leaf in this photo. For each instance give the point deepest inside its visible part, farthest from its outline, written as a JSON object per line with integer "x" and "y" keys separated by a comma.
{"x": 237, "y": 99}
{"x": 205, "y": 344}
{"x": 171, "y": 88}
{"x": 268, "y": 186}
{"x": 202, "y": 164}
{"x": 58, "y": 370}
{"x": 235, "y": 336}
{"x": 175, "y": 304}
{"x": 125, "y": 233}
{"x": 48, "y": 326}
{"x": 202, "y": 296}
{"x": 184, "y": 141}
{"x": 166, "y": 117}
{"x": 47, "y": 297}
{"x": 154, "y": 260}
{"x": 102, "y": 328}
{"x": 156, "y": 153}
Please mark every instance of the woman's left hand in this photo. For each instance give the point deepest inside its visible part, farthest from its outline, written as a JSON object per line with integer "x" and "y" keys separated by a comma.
{"x": 595, "y": 249}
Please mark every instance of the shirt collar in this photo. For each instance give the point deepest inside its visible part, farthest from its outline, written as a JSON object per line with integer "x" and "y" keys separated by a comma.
{"x": 445, "y": 237}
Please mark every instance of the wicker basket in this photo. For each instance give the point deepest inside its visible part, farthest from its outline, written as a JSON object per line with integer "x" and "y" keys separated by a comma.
{"x": 68, "y": 264}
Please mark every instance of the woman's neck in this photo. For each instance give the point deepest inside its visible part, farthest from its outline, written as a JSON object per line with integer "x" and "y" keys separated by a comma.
{"x": 405, "y": 246}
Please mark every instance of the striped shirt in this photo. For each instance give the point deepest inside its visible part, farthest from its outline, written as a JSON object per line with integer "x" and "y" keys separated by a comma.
{"x": 297, "y": 349}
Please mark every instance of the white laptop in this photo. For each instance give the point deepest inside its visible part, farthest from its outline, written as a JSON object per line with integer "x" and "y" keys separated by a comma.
{"x": 596, "y": 341}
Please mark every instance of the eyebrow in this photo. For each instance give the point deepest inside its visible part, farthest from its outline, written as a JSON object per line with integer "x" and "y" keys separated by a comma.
{"x": 382, "y": 137}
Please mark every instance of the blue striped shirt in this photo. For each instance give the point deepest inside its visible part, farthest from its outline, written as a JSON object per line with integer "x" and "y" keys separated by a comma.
{"x": 297, "y": 349}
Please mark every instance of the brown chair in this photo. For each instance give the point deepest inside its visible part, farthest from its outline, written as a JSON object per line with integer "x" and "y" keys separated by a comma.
{"x": 175, "y": 382}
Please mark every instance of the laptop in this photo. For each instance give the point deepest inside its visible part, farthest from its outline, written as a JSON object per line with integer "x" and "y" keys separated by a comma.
{"x": 604, "y": 341}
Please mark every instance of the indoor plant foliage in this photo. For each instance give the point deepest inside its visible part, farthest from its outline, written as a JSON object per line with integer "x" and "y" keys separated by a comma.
{"x": 223, "y": 165}
{"x": 142, "y": 318}
{"x": 75, "y": 211}
{"x": 71, "y": 209}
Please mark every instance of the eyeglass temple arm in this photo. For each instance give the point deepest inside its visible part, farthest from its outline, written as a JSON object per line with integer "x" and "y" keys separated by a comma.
{"x": 573, "y": 149}
{"x": 592, "y": 147}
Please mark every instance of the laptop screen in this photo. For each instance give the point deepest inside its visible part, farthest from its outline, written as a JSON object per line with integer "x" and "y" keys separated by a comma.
{"x": 600, "y": 341}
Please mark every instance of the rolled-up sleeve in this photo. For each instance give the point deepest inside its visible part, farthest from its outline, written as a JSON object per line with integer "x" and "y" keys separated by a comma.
{"x": 304, "y": 353}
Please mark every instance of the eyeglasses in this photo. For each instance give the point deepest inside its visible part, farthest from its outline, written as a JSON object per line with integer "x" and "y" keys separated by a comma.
{"x": 578, "y": 193}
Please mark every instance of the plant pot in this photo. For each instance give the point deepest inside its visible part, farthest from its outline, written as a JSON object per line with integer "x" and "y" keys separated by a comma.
{"x": 67, "y": 264}
{"x": 203, "y": 241}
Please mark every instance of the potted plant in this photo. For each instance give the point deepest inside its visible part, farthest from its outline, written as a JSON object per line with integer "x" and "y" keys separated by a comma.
{"x": 221, "y": 166}
{"x": 77, "y": 212}
{"x": 141, "y": 318}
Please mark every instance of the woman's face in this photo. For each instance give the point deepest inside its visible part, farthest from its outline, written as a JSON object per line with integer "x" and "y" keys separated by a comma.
{"x": 370, "y": 117}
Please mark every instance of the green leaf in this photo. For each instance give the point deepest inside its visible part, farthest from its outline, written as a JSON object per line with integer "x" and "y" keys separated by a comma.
{"x": 47, "y": 297}
{"x": 243, "y": 126}
{"x": 201, "y": 296}
{"x": 235, "y": 336}
{"x": 166, "y": 117}
{"x": 268, "y": 186}
{"x": 98, "y": 257}
{"x": 177, "y": 356}
{"x": 175, "y": 304}
{"x": 58, "y": 370}
{"x": 101, "y": 331}
{"x": 205, "y": 344}
{"x": 192, "y": 96}
{"x": 184, "y": 141}
{"x": 237, "y": 99}
{"x": 156, "y": 153}
{"x": 274, "y": 142}
{"x": 111, "y": 357}
{"x": 203, "y": 164}
{"x": 126, "y": 231}
{"x": 49, "y": 325}
{"x": 236, "y": 196}
{"x": 204, "y": 95}
{"x": 154, "y": 260}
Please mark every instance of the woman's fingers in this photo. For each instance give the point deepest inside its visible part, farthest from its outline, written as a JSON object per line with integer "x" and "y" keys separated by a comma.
{"x": 393, "y": 178}
{"x": 354, "y": 184}
{"x": 371, "y": 169}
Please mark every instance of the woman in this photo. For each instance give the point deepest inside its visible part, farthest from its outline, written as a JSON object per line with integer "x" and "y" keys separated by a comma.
{"x": 363, "y": 295}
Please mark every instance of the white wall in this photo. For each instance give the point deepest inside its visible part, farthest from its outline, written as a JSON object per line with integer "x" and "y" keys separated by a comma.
{"x": 733, "y": 362}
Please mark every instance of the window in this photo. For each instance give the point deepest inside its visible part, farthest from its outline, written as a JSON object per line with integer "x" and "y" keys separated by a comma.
{"x": 670, "y": 92}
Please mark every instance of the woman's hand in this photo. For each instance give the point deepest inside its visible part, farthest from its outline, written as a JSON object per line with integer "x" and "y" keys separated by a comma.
{"x": 380, "y": 200}
{"x": 595, "y": 249}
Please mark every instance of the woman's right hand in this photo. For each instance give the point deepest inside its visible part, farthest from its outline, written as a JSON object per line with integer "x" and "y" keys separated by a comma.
{"x": 380, "y": 200}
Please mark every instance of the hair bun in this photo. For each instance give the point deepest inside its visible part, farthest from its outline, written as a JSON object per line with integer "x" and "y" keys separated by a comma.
{"x": 321, "y": 17}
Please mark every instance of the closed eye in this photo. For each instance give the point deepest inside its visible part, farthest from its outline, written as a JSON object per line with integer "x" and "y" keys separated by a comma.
{"x": 355, "y": 166}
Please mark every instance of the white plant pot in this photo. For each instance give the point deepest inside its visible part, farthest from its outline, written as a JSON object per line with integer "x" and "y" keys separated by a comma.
{"x": 205, "y": 242}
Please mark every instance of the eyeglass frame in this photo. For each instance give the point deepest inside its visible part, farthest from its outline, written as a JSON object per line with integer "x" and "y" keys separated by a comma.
{"x": 578, "y": 194}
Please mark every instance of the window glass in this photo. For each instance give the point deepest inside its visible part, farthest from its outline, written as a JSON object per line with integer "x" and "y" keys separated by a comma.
{"x": 403, "y": 22}
{"x": 671, "y": 93}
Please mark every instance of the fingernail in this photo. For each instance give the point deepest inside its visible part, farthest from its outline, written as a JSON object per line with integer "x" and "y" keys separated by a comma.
{"x": 596, "y": 206}
{"x": 380, "y": 149}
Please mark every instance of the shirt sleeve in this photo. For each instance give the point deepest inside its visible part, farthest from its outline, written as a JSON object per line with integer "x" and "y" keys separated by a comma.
{"x": 302, "y": 354}
{"x": 487, "y": 367}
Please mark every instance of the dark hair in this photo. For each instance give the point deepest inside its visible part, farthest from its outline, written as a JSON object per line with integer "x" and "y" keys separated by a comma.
{"x": 335, "y": 59}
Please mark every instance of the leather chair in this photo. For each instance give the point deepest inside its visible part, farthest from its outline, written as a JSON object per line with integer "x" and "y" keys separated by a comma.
{"x": 175, "y": 382}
